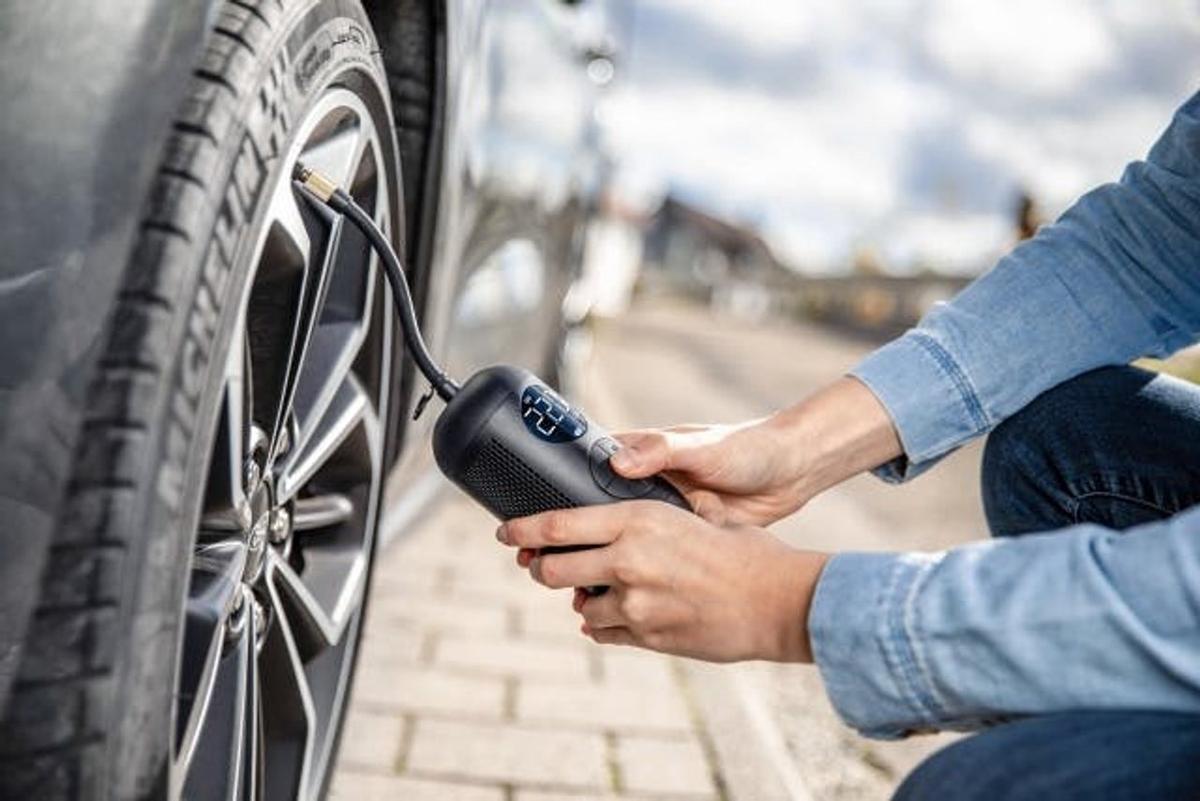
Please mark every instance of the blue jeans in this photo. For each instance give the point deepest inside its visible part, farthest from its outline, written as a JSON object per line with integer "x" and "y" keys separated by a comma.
{"x": 1117, "y": 448}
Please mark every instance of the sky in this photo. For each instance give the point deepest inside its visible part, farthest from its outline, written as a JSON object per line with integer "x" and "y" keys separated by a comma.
{"x": 907, "y": 127}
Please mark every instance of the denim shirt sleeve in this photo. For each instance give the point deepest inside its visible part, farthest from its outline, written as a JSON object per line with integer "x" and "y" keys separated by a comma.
{"x": 979, "y": 634}
{"x": 1115, "y": 278}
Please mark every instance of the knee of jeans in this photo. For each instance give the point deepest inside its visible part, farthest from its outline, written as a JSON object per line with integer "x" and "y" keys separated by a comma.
{"x": 938, "y": 777}
{"x": 1026, "y": 458}
{"x": 1014, "y": 465}
{"x": 963, "y": 771}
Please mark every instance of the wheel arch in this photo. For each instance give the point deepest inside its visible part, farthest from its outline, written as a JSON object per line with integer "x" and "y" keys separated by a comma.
{"x": 412, "y": 37}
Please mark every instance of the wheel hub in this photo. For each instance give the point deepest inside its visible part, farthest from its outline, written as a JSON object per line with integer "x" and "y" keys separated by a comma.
{"x": 260, "y": 509}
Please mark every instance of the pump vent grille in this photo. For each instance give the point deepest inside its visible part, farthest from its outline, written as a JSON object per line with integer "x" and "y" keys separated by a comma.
{"x": 502, "y": 481}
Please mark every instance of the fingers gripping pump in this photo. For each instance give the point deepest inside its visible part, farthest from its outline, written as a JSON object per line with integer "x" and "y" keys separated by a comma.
{"x": 505, "y": 437}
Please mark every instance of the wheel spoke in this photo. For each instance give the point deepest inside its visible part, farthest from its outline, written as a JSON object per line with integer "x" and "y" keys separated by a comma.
{"x": 323, "y": 598}
{"x": 321, "y": 511}
{"x": 289, "y": 720}
{"x": 312, "y": 298}
{"x": 225, "y": 494}
{"x": 251, "y": 717}
{"x": 345, "y": 411}
{"x": 340, "y": 155}
{"x": 338, "y": 332}
{"x": 215, "y": 586}
{"x": 321, "y": 604}
{"x": 288, "y": 235}
{"x": 330, "y": 356}
{"x": 214, "y": 765}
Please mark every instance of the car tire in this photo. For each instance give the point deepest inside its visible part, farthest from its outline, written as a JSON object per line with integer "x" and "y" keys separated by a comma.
{"x": 163, "y": 585}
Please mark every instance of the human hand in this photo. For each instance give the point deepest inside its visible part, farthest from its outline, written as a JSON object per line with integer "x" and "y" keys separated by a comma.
{"x": 676, "y": 582}
{"x": 731, "y": 474}
{"x": 758, "y": 472}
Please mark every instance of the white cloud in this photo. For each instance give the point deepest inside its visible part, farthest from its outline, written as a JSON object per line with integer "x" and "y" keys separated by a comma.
{"x": 1030, "y": 45}
{"x": 756, "y": 24}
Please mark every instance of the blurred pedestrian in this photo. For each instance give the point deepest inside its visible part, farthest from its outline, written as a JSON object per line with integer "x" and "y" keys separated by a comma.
{"x": 1028, "y": 216}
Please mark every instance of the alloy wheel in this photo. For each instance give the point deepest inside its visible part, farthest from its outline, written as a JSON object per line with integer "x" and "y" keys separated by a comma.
{"x": 283, "y": 550}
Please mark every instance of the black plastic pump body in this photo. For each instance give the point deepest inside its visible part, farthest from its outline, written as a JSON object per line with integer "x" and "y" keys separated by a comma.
{"x": 518, "y": 448}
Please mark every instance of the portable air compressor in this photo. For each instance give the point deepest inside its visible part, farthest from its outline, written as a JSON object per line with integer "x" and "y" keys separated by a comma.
{"x": 518, "y": 448}
{"x": 505, "y": 437}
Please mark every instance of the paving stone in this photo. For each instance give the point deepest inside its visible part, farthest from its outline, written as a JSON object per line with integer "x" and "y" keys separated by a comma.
{"x": 550, "y": 795}
{"x": 485, "y": 567}
{"x": 350, "y": 786}
{"x": 415, "y": 575}
{"x": 429, "y": 587}
{"x": 606, "y": 706}
{"x": 528, "y": 756}
{"x": 533, "y": 660}
{"x": 418, "y": 690}
{"x": 371, "y": 739}
{"x": 512, "y": 589}
{"x": 475, "y": 567}
{"x": 548, "y": 615}
{"x": 414, "y": 611}
{"x": 388, "y": 643}
{"x": 635, "y": 667}
{"x": 501, "y": 588}
{"x": 656, "y": 766}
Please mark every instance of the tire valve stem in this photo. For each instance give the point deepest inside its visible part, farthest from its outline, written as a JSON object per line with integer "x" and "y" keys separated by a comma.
{"x": 315, "y": 182}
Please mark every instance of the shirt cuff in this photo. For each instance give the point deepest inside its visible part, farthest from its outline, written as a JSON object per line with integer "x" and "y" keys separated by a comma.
{"x": 931, "y": 401}
{"x": 859, "y": 626}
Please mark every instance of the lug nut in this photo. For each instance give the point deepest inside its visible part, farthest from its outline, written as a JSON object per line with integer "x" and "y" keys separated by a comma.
{"x": 244, "y": 515}
{"x": 236, "y": 621}
{"x": 253, "y": 476}
{"x": 281, "y": 525}
{"x": 260, "y": 617}
{"x": 258, "y": 533}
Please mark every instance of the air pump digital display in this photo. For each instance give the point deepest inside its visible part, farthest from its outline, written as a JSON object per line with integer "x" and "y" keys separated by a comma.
{"x": 548, "y": 417}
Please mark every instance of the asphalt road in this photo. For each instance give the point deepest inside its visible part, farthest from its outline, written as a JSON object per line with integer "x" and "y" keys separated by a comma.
{"x": 667, "y": 363}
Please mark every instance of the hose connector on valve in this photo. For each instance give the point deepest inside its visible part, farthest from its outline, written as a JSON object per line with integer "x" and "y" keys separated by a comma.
{"x": 328, "y": 192}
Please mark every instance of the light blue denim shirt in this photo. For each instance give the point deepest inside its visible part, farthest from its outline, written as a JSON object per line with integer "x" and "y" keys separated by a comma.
{"x": 1071, "y": 619}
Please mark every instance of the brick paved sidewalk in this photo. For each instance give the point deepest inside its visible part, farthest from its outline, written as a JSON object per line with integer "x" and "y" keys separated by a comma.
{"x": 475, "y": 685}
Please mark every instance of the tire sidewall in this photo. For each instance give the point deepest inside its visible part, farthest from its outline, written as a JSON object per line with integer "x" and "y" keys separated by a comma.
{"x": 316, "y": 45}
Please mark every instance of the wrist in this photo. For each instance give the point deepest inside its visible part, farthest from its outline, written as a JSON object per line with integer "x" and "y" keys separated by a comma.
{"x": 834, "y": 434}
{"x": 800, "y": 577}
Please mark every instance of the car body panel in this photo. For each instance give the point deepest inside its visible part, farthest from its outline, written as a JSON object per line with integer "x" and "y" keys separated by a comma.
{"x": 76, "y": 166}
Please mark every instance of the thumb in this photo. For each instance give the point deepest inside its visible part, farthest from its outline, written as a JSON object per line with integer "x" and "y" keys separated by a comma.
{"x": 709, "y": 506}
{"x": 642, "y": 454}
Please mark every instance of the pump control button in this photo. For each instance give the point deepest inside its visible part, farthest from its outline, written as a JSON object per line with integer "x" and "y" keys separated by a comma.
{"x": 629, "y": 488}
{"x": 598, "y": 456}
{"x": 615, "y": 485}
{"x": 606, "y": 447}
